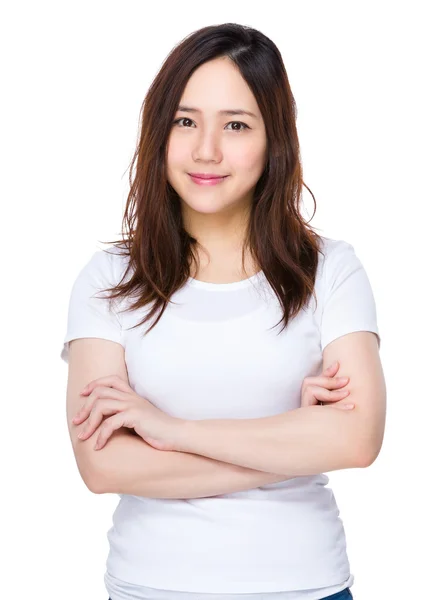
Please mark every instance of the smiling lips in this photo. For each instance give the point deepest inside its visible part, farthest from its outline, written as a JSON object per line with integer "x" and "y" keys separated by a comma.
{"x": 207, "y": 175}
{"x": 207, "y": 178}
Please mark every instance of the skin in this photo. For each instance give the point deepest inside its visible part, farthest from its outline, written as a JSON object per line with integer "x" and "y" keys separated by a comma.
{"x": 114, "y": 399}
{"x": 215, "y": 215}
{"x": 208, "y": 142}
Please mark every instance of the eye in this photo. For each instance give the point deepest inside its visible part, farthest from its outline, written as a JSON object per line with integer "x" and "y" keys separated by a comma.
{"x": 243, "y": 125}
{"x": 182, "y": 119}
{"x": 239, "y": 123}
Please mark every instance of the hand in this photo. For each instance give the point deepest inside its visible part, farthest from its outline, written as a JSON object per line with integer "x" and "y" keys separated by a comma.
{"x": 113, "y": 396}
{"x": 326, "y": 389}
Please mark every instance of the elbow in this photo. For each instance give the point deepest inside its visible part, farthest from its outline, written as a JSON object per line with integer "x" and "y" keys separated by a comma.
{"x": 368, "y": 457}
{"x": 91, "y": 465}
{"x": 92, "y": 477}
{"x": 94, "y": 483}
{"x": 368, "y": 442}
{"x": 371, "y": 450}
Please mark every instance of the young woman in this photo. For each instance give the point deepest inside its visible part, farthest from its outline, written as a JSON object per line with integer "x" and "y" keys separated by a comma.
{"x": 211, "y": 423}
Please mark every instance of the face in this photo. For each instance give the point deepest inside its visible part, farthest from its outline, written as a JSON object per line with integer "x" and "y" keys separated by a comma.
{"x": 206, "y": 141}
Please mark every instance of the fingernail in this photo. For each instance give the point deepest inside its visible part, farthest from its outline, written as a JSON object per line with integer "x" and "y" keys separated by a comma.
{"x": 348, "y": 406}
{"x": 333, "y": 364}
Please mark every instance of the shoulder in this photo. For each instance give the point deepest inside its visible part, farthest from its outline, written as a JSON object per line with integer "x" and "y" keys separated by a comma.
{"x": 107, "y": 265}
{"x": 334, "y": 254}
{"x": 334, "y": 249}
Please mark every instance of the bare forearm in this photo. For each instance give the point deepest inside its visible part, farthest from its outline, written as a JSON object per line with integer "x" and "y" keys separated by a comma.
{"x": 300, "y": 442}
{"x": 128, "y": 465}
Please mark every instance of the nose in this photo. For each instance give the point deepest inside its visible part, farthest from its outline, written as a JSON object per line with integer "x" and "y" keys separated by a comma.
{"x": 207, "y": 146}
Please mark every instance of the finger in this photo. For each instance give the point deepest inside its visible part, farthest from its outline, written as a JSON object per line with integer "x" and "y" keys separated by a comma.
{"x": 334, "y": 396}
{"x": 332, "y": 368}
{"x": 123, "y": 419}
{"x": 100, "y": 410}
{"x": 320, "y": 393}
{"x": 327, "y": 382}
{"x": 113, "y": 381}
{"x": 99, "y": 392}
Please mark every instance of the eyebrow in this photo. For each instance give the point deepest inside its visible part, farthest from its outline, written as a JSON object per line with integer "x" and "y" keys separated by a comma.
{"x": 235, "y": 111}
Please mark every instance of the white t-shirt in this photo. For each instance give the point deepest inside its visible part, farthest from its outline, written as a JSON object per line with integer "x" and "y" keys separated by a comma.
{"x": 214, "y": 355}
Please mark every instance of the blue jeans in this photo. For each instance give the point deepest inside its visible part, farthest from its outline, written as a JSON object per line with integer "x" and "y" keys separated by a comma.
{"x": 343, "y": 595}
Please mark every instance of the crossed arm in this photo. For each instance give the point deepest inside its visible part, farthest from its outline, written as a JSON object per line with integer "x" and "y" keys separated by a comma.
{"x": 127, "y": 465}
{"x": 223, "y": 456}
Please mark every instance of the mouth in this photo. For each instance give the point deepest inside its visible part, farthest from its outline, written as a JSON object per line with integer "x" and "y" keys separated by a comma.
{"x": 207, "y": 175}
{"x": 202, "y": 179}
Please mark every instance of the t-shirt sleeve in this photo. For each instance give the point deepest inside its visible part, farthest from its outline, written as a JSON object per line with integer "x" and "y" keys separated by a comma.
{"x": 349, "y": 303}
{"x": 89, "y": 314}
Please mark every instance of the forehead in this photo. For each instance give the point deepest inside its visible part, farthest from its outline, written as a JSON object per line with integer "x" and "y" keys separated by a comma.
{"x": 218, "y": 87}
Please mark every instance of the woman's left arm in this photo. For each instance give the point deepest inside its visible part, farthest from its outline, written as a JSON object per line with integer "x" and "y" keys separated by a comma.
{"x": 309, "y": 440}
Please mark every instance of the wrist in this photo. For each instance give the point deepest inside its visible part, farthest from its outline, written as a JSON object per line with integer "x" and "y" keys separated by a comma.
{"x": 183, "y": 435}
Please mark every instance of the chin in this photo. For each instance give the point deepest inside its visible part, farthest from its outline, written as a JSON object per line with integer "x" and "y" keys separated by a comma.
{"x": 208, "y": 208}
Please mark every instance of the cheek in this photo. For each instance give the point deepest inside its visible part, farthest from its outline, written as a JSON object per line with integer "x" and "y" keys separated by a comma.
{"x": 176, "y": 154}
{"x": 249, "y": 159}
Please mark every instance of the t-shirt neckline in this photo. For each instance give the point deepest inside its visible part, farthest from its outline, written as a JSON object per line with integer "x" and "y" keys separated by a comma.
{"x": 221, "y": 287}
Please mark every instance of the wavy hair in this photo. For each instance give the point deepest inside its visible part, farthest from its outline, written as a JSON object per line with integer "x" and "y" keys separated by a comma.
{"x": 281, "y": 242}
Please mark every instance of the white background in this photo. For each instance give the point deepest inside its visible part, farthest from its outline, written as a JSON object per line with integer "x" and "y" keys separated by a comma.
{"x": 367, "y": 78}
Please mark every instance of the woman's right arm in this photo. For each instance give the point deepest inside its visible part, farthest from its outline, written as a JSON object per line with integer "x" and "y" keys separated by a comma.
{"x": 127, "y": 464}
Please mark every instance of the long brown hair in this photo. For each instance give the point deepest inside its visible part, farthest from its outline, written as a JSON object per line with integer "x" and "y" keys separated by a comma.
{"x": 281, "y": 242}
